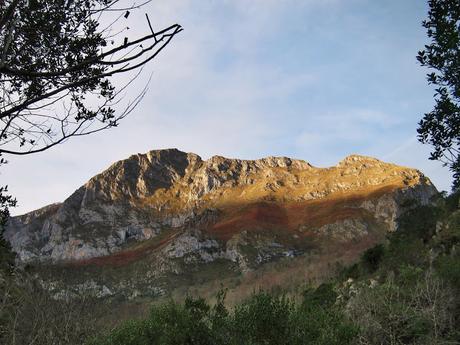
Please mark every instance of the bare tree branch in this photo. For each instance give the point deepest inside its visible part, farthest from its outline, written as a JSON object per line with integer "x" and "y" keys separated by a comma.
{"x": 66, "y": 89}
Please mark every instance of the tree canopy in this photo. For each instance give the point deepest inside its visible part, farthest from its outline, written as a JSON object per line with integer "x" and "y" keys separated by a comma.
{"x": 57, "y": 61}
{"x": 441, "y": 126}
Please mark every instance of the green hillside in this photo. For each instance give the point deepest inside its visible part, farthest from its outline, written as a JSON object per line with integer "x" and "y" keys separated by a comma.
{"x": 405, "y": 291}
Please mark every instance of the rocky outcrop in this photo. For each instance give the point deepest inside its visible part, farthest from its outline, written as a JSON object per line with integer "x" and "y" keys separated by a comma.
{"x": 137, "y": 199}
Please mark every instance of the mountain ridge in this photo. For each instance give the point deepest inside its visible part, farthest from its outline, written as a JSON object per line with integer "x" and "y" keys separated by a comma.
{"x": 178, "y": 184}
{"x": 165, "y": 214}
{"x": 286, "y": 161}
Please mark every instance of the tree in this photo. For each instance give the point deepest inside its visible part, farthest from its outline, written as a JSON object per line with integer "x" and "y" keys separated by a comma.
{"x": 6, "y": 201}
{"x": 56, "y": 65}
{"x": 441, "y": 126}
{"x": 57, "y": 62}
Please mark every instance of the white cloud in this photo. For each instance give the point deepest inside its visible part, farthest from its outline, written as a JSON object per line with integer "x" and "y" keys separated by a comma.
{"x": 352, "y": 126}
{"x": 213, "y": 92}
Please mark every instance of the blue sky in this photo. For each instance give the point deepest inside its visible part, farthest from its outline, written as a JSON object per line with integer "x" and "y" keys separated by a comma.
{"x": 313, "y": 79}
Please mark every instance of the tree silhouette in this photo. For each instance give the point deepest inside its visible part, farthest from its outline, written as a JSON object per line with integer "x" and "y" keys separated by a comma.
{"x": 56, "y": 65}
{"x": 441, "y": 126}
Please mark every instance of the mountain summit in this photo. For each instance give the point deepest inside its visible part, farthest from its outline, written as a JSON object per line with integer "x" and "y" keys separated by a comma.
{"x": 169, "y": 209}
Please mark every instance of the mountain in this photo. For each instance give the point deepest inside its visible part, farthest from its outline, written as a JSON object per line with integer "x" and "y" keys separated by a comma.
{"x": 156, "y": 221}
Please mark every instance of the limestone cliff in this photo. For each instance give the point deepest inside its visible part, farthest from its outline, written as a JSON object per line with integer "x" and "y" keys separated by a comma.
{"x": 137, "y": 198}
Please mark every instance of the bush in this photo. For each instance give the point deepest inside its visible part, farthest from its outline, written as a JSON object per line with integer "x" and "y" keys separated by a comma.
{"x": 323, "y": 296}
{"x": 448, "y": 268}
{"x": 418, "y": 223}
{"x": 261, "y": 320}
{"x": 29, "y": 315}
{"x": 421, "y": 311}
{"x": 372, "y": 258}
{"x": 453, "y": 202}
{"x": 169, "y": 324}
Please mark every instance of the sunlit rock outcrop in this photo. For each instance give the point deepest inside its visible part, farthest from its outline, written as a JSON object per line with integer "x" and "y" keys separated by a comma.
{"x": 218, "y": 208}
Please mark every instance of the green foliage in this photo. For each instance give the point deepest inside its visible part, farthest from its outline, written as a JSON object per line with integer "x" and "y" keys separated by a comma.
{"x": 405, "y": 251}
{"x": 182, "y": 324}
{"x": 441, "y": 127}
{"x": 453, "y": 202}
{"x": 323, "y": 296}
{"x": 406, "y": 246}
{"x": 410, "y": 296}
{"x": 418, "y": 223}
{"x": 418, "y": 308}
{"x": 372, "y": 257}
{"x": 449, "y": 236}
{"x": 193, "y": 322}
{"x": 448, "y": 268}
{"x": 6, "y": 257}
{"x": 409, "y": 245}
{"x": 57, "y": 68}
{"x": 6, "y": 201}
{"x": 404, "y": 291}
{"x": 321, "y": 320}
{"x": 261, "y": 320}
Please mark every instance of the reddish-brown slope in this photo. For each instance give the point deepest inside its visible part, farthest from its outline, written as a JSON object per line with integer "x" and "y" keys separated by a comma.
{"x": 290, "y": 216}
{"x": 127, "y": 256}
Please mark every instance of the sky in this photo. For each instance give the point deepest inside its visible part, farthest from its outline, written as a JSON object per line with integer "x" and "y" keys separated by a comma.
{"x": 314, "y": 79}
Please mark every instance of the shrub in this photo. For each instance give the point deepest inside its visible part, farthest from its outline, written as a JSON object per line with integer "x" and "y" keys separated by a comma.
{"x": 263, "y": 319}
{"x": 323, "y": 296}
{"x": 372, "y": 257}
{"x": 168, "y": 324}
{"x": 419, "y": 312}
{"x": 418, "y": 223}
{"x": 448, "y": 268}
{"x": 29, "y": 315}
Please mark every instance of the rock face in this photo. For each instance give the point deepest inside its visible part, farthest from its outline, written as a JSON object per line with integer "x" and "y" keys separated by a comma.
{"x": 171, "y": 208}
{"x": 135, "y": 199}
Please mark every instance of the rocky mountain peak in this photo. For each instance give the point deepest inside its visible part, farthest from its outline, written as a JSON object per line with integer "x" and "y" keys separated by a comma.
{"x": 165, "y": 215}
{"x": 137, "y": 197}
{"x": 140, "y": 175}
{"x": 355, "y": 159}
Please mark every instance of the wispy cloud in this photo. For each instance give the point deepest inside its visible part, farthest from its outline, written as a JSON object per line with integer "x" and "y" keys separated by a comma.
{"x": 312, "y": 79}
